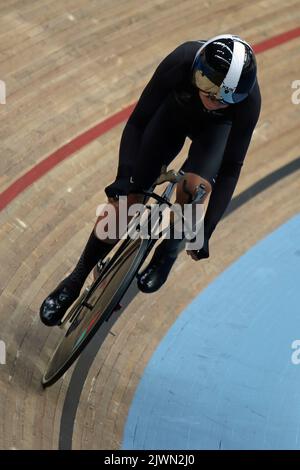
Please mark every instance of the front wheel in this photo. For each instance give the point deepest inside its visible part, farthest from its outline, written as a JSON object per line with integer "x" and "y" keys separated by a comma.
{"x": 97, "y": 306}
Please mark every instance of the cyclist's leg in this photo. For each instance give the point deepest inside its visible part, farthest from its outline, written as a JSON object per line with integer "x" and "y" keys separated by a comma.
{"x": 206, "y": 156}
{"x": 58, "y": 301}
{"x": 206, "y": 152}
{"x": 202, "y": 164}
{"x": 201, "y": 167}
{"x": 160, "y": 143}
{"x": 62, "y": 297}
{"x": 162, "y": 140}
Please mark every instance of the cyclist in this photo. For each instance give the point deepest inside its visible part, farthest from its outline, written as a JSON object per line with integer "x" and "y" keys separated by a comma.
{"x": 204, "y": 90}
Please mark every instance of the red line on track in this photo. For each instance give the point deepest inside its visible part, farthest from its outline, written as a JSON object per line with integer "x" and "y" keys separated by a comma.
{"x": 95, "y": 132}
{"x": 277, "y": 40}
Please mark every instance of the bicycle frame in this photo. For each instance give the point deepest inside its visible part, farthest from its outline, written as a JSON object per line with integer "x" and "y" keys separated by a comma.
{"x": 97, "y": 304}
{"x": 172, "y": 177}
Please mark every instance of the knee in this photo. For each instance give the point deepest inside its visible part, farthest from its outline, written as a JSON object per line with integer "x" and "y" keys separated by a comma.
{"x": 108, "y": 215}
{"x": 187, "y": 189}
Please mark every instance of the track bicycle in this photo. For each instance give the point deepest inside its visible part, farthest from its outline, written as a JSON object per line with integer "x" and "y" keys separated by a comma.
{"x": 115, "y": 274}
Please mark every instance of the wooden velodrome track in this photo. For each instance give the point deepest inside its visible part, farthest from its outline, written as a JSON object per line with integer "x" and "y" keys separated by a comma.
{"x": 68, "y": 66}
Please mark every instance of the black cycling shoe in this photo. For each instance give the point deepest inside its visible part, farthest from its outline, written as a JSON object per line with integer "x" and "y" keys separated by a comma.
{"x": 57, "y": 303}
{"x": 156, "y": 273}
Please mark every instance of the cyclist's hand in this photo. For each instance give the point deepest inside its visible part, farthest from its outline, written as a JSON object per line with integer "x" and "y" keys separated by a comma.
{"x": 199, "y": 254}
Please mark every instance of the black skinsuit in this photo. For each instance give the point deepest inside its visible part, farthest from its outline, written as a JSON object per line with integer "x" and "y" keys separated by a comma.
{"x": 168, "y": 111}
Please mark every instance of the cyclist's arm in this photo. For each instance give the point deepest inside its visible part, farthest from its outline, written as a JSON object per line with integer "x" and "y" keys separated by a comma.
{"x": 167, "y": 75}
{"x": 235, "y": 152}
